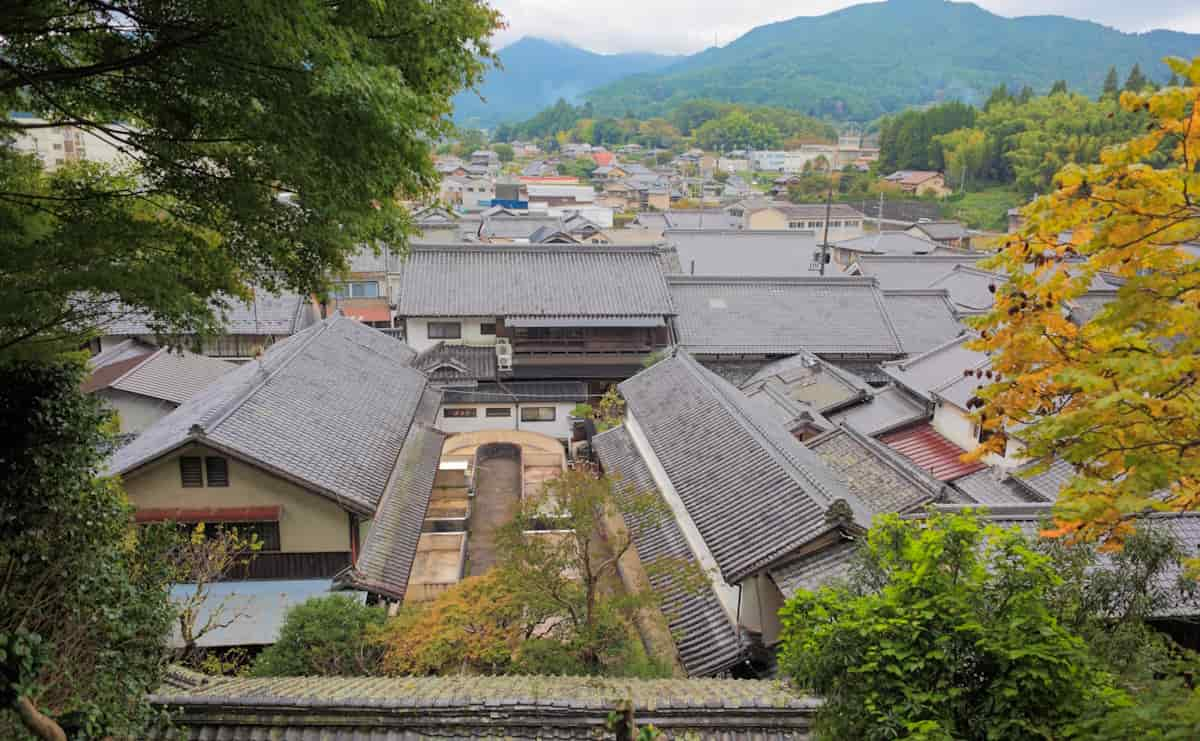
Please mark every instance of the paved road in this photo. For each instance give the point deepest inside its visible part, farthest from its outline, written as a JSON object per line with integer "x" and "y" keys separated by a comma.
{"x": 497, "y": 498}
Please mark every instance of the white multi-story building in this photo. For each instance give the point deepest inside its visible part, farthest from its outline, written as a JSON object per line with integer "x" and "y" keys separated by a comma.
{"x": 56, "y": 146}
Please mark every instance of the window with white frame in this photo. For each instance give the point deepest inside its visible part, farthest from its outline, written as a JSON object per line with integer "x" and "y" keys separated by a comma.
{"x": 357, "y": 289}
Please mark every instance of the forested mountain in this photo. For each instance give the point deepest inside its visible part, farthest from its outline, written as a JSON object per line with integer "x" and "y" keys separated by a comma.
{"x": 536, "y": 73}
{"x": 866, "y": 60}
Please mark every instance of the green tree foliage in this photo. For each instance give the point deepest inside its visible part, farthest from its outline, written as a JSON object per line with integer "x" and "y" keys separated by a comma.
{"x": 225, "y": 106}
{"x": 505, "y": 151}
{"x": 1059, "y": 87}
{"x": 325, "y": 636}
{"x": 907, "y": 141}
{"x": 1111, "y": 84}
{"x": 737, "y": 130}
{"x": 84, "y": 613}
{"x": 1136, "y": 80}
{"x": 946, "y": 632}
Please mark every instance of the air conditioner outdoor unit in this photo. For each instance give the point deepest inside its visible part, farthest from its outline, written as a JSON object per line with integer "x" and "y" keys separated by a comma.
{"x": 504, "y": 355}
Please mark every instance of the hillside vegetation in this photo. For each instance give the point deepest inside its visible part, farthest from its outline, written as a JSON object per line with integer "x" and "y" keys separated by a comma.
{"x": 868, "y": 60}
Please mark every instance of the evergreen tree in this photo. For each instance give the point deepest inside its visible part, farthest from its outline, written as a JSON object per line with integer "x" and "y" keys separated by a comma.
{"x": 1059, "y": 87}
{"x": 1110, "y": 83}
{"x": 1136, "y": 80}
{"x": 1174, "y": 81}
{"x": 999, "y": 94}
{"x": 1025, "y": 95}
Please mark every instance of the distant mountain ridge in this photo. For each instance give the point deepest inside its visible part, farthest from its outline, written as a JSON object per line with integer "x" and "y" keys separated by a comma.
{"x": 866, "y": 60}
{"x": 537, "y": 72}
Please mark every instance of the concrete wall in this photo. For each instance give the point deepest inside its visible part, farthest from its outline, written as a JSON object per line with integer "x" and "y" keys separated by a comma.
{"x": 308, "y": 522}
{"x": 560, "y": 428}
{"x": 767, "y": 219}
{"x": 416, "y": 331}
{"x": 135, "y": 412}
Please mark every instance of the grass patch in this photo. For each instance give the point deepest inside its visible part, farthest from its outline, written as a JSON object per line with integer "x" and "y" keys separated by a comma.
{"x": 984, "y": 209}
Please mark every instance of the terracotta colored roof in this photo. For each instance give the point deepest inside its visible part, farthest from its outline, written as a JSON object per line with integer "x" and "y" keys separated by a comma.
{"x": 210, "y": 514}
{"x": 602, "y": 158}
{"x": 102, "y": 378}
{"x": 926, "y": 447}
{"x": 366, "y": 310}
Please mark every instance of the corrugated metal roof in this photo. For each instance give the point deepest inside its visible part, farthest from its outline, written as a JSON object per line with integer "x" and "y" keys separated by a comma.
{"x": 754, "y": 492}
{"x": 537, "y": 280}
{"x": 329, "y": 407}
{"x": 704, "y": 636}
{"x": 763, "y": 315}
{"x": 927, "y": 449}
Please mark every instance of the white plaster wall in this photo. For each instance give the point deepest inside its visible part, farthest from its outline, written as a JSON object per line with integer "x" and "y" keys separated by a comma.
{"x": 416, "y": 331}
{"x": 956, "y": 426}
{"x": 560, "y": 428}
{"x": 726, "y": 594}
{"x": 136, "y": 412}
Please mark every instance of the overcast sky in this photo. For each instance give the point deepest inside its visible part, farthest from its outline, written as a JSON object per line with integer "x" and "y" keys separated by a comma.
{"x": 685, "y": 26}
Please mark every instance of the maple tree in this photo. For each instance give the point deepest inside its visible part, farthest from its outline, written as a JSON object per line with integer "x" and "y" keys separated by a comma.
{"x": 1117, "y": 395}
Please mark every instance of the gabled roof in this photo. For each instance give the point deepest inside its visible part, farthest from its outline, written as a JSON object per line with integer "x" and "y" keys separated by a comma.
{"x": 737, "y": 252}
{"x": 445, "y": 363}
{"x": 932, "y": 452}
{"x": 816, "y": 569}
{"x": 888, "y": 243}
{"x": 550, "y": 392}
{"x": 748, "y": 315}
{"x": 157, "y": 374}
{"x": 924, "y": 318}
{"x": 805, "y": 211}
{"x": 807, "y": 379}
{"x": 267, "y": 314}
{"x": 903, "y": 272}
{"x": 937, "y": 368}
{"x": 386, "y": 560}
{"x": 704, "y": 636}
{"x": 328, "y": 408}
{"x": 991, "y": 486}
{"x": 539, "y": 280}
{"x": 969, "y": 288}
{"x": 754, "y": 492}
{"x": 881, "y": 478}
{"x": 937, "y": 230}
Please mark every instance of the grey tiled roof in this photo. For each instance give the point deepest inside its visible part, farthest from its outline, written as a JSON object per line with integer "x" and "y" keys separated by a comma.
{"x": 827, "y": 316}
{"x": 943, "y": 229}
{"x": 445, "y": 363}
{"x": 387, "y": 554}
{"x": 171, "y": 376}
{"x": 515, "y": 707}
{"x": 328, "y": 408}
{"x": 885, "y": 410}
{"x": 968, "y": 288}
{"x": 986, "y": 487}
{"x": 266, "y": 314}
{"x": 807, "y": 379}
{"x": 924, "y": 319}
{"x": 544, "y": 280}
{"x": 754, "y": 492}
{"x": 704, "y": 636}
{"x": 701, "y": 220}
{"x": 737, "y": 252}
{"x": 1048, "y": 483}
{"x": 888, "y": 243}
{"x": 814, "y": 571}
{"x": 937, "y": 368}
{"x": 522, "y": 391}
{"x": 881, "y": 478}
{"x": 897, "y": 272}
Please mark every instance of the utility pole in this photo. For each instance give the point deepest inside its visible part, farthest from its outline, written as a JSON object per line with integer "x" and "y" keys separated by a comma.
{"x": 825, "y": 239}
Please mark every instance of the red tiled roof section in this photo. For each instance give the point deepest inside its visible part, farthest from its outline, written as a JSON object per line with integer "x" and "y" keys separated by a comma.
{"x": 927, "y": 449}
{"x": 602, "y": 158}
{"x": 103, "y": 377}
{"x": 210, "y": 514}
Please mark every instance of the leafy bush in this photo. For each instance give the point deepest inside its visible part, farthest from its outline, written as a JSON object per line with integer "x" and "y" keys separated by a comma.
{"x": 944, "y": 632}
{"x": 325, "y": 636}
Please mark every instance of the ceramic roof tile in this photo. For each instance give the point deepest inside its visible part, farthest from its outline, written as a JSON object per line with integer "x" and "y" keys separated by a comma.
{"x": 815, "y": 570}
{"x": 744, "y": 253}
{"x": 753, "y": 491}
{"x": 898, "y": 272}
{"x": 835, "y": 315}
{"x": 705, "y": 638}
{"x": 881, "y": 478}
{"x": 942, "y": 365}
{"x": 543, "y": 280}
{"x": 523, "y": 391}
{"x": 986, "y": 487}
{"x": 329, "y": 407}
{"x": 387, "y": 554}
{"x": 172, "y": 376}
{"x": 888, "y": 243}
{"x": 267, "y": 314}
{"x": 969, "y": 287}
{"x": 924, "y": 319}
{"x": 886, "y": 409}
{"x": 807, "y": 379}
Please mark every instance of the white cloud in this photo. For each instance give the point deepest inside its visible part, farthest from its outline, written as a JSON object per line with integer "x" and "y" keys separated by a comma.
{"x": 686, "y": 26}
